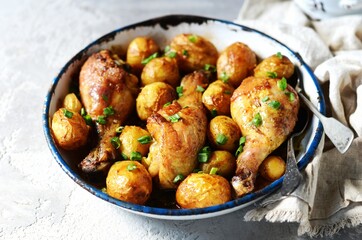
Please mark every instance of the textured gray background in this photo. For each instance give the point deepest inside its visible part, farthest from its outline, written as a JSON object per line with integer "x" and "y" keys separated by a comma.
{"x": 38, "y": 200}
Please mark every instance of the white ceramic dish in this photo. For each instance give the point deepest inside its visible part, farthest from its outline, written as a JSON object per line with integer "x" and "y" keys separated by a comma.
{"x": 222, "y": 34}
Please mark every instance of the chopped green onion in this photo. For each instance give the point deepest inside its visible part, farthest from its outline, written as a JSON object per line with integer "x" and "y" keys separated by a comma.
{"x": 242, "y": 140}
{"x": 204, "y": 154}
{"x": 224, "y": 77}
{"x": 272, "y": 74}
{"x": 131, "y": 167}
{"x": 167, "y": 104}
{"x": 108, "y": 111}
{"x": 148, "y": 59}
{"x": 116, "y": 142}
{"x": 209, "y": 67}
{"x": 83, "y": 112}
{"x": 291, "y": 96}
{"x": 185, "y": 52}
{"x": 274, "y": 104}
{"x": 171, "y": 54}
{"x": 124, "y": 156}
{"x": 101, "y": 120}
{"x": 179, "y": 91}
{"x": 167, "y": 49}
{"x": 200, "y": 89}
{"x": 178, "y": 178}
{"x": 88, "y": 119}
{"x": 105, "y": 97}
{"x": 239, "y": 150}
{"x": 221, "y": 139}
{"x": 264, "y": 99}
{"x": 279, "y": 55}
{"x": 213, "y": 112}
{"x": 104, "y": 190}
{"x": 257, "y": 120}
{"x": 192, "y": 38}
{"x": 136, "y": 156}
{"x": 228, "y": 92}
{"x": 67, "y": 113}
{"x": 119, "y": 129}
{"x": 175, "y": 118}
{"x": 145, "y": 139}
{"x": 282, "y": 84}
{"x": 214, "y": 170}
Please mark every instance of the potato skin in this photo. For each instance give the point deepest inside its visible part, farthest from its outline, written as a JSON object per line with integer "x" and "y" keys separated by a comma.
{"x": 224, "y": 161}
{"x": 152, "y": 98}
{"x": 236, "y": 62}
{"x": 217, "y": 97}
{"x": 201, "y": 190}
{"x": 272, "y": 168}
{"x": 72, "y": 103}
{"x": 162, "y": 69}
{"x": 226, "y": 126}
{"x": 129, "y": 143}
{"x": 193, "y": 52}
{"x": 281, "y": 66}
{"x": 69, "y": 133}
{"x": 139, "y": 49}
{"x": 134, "y": 186}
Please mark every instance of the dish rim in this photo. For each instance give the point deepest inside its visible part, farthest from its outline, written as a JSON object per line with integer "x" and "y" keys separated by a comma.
{"x": 164, "y": 22}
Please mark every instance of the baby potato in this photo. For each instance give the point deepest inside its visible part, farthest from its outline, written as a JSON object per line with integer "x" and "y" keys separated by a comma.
{"x": 223, "y": 133}
{"x": 72, "y": 103}
{"x": 235, "y": 63}
{"x": 193, "y": 52}
{"x": 162, "y": 69}
{"x": 129, "y": 181}
{"x": 275, "y": 66}
{"x": 69, "y": 129}
{"x": 272, "y": 168}
{"x": 152, "y": 98}
{"x": 201, "y": 190}
{"x": 138, "y": 50}
{"x": 217, "y": 97}
{"x": 131, "y": 143}
{"x": 224, "y": 161}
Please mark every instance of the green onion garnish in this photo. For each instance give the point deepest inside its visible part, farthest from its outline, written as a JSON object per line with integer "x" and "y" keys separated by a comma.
{"x": 178, "y": 178}
{"x": 227, "y": 92}
{"x": 257, "y": 120}
{"x": 83, "y": 112}
{"x": 88, "y": 119}
{"x": 131, "y": 167}
{"x": 105, "y": 97}
{"x": 101, "y": 120}
{"x": 224, "y": 77}
{"x": 200, "y": 89}
{"x": 209, "y": 67}
{"x": 67, "y": 113}
{"x": 179, "y": 91}
{"x": 264, "y": 99}
{"x": 124, "y": 156}
{"x": 175, "y": 118}
{"x": 272, "y": 74}
{"x": 192, "y": 38}
{"x": 291, "y": 96}
{"x": 242, "y": 140}
{"x": 185, "y": 52}
{"x": 167, "y": 104}
{"x": 204, "y": 154}
{"x": 282, "y": 84}
{"x": 239, "y": 150}
{"x": 148, "y": 59}
{"x": 171, "y": 54}
{"x": 221, "y": 139}
{"x": 116, "y": 143}
{"x": 145, "y": 139}
{"x": 214, "y": 170}
{"x": 119, "y": 129}
{"x": 136, "y": 156}
{"x": 279, "y": 55}
{"x": 108, "y": 111}
{"x": 213, "y": 112}
{"x": 274, "y": 104}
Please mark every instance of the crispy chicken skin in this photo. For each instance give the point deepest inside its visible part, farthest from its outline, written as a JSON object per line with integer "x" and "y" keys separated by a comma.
{"x": 256, "y": 99}
{"x": 102, "y": 84}
{"x": 176, "y": 144}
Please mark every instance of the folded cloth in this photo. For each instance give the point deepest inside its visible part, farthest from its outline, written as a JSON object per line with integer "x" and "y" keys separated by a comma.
{"x": 330, "y": 195}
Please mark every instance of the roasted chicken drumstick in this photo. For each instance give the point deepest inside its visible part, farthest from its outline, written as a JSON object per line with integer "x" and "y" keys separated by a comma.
{"x": 266, "y": 111}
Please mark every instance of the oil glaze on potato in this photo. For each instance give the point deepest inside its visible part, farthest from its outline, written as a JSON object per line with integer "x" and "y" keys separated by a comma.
{"x": 272, "y": 168}
{"x": 162, "y": 69}
{"x": 223, "y": 133}
{"x": 276, "y": 66}
{"x": 235, "y": 63}
{"x": 193, "y": 52}
{"x": 129, "y": 141}
{"x": 139, "y": 49}
{"x": 153, "y": 97}
{"x": 200, "y": 190}
{"x": 69, "y": 132}
{"x": 224, "y": 161}
{"x": 129, "y": 181}
{"x": 217, "y": 97}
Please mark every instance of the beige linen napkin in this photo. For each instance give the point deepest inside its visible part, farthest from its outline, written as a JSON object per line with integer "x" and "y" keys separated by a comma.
{"x": 330, "y": 195}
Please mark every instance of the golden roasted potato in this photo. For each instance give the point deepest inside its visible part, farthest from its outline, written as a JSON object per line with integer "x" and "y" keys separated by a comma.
{"x": 200, "y": 190}
{"x": 223, "y": 161}
{"x": 223, "y": 133}
{"x": 162, "y": 69}
{"x": 193, "y": 52}
{"x": 235, "y": 63}
{"x": 129, "y": 181}
{"x": 72, "y": 103}
{"x": 217, "y": 97}
{"x": 272, "y": 168}
{"x": 138, "y": 50}
{"x": 134, "y": 142}
{"x": 69, "y": 129}
{"x": 275, "y": 66}
{"x": 153, "y": 97}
